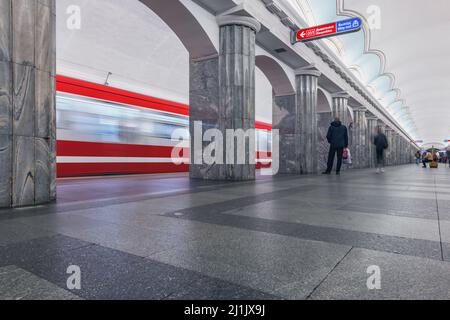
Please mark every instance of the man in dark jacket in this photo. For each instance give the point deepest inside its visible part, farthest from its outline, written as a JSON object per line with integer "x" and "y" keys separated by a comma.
{"x": 381, "y": 144}
{"x": 338, "y": 139}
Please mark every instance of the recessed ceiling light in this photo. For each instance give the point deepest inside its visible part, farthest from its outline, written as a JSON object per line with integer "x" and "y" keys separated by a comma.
{"x": 280, "y": 50}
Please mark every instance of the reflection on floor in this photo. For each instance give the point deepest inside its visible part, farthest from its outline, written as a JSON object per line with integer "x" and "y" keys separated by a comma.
{"x": 289, "y": 237}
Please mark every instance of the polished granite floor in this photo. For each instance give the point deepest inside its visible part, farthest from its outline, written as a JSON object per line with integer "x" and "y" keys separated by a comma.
{"x": 289, "y": 237}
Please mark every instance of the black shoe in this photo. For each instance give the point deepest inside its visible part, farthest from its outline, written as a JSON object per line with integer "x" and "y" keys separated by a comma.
{"x": 338, "y": 173}
{"x": 326, "y": 172}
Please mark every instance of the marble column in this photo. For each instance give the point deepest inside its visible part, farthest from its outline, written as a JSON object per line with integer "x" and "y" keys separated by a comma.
{"x": 360, "y": 145}
{"x": 203, "y": 113}
{"x": 389, "y": 152}
{"x": 285, "y": 119}
{"x": 382, "y": 126}
{"x": 404, "y": 151}
{"x": 306, "y": 82}
{"x": 396, "y": 149}
{"x": 340, "y": 107}
{"x": 409, "y": 152}
{"x": 27, "y": 102}
{"x": 222, "y": 96}
{"x": 323, "y": 123}
{"x": 340, "y": 110}
{"x": 372, "y": 127}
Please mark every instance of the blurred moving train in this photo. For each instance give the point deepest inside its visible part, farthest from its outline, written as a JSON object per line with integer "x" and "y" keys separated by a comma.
{"x": 105, "y": 131}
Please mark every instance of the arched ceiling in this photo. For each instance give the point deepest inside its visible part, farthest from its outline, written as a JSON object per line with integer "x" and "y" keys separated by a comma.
{"x": 404, "y": 63}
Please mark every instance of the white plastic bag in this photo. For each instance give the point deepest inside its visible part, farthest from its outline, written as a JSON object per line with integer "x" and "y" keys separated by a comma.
{"x": 349, "y": 158}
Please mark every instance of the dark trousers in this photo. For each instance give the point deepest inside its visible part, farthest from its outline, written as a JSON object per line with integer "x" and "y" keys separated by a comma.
{"x": 380, "y": 158}
{"x": 331, "y": 154}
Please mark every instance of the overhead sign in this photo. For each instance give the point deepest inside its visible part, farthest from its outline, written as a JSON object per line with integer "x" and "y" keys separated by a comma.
{"x": 327, "y": 30}
{"x": 418, "y": 141}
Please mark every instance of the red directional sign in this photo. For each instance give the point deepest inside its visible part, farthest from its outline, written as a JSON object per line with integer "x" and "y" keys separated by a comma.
{"x": 327, "y": 30}
{"x": 316, "y": 32}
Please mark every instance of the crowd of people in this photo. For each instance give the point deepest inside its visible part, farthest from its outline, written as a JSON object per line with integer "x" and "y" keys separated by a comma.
{"x": 432, "y": 156}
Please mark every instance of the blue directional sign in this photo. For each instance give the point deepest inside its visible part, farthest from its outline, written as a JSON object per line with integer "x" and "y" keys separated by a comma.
{"x": 349, "y": 25}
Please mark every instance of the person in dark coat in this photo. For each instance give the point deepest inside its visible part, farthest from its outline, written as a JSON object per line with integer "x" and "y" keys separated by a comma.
{"x": 338, "y": 139}
{"x": 381, "y": 144}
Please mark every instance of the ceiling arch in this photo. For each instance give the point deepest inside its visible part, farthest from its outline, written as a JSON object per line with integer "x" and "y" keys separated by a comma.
{"x": 276, "y": 75}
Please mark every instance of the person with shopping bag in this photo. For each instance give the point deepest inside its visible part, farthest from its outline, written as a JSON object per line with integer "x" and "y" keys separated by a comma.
{"x": 338, "y": 139}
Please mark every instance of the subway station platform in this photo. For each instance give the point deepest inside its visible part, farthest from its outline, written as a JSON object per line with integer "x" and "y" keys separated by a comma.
{"x": 288, "y": 237}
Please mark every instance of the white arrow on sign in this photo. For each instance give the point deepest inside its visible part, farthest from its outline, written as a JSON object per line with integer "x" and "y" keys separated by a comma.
{"x": 302, "y": 34}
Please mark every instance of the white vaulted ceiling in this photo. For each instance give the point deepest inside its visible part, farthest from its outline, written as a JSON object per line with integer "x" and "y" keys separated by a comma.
{"x": 404, "y": 63}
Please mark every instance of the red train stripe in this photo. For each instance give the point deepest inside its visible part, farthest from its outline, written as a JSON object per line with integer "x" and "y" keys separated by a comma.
{"x": 93, "y": 90}
{"x": 65, "y": 170}
{"x": 263, "y": 126}
{"x": 263, "y": 155}
{"x": 98, "y": 149}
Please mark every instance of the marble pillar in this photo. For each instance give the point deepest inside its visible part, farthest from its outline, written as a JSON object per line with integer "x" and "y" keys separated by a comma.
{"x": 204, "y": 109}
{"x": 382, "y": 126}
{"x": 323, "y": 123}
{"x": 222, "y": 96}
{"x": 340, "y": 107}
{"x": 306, "y": 82}
{"x": 396, "y": 149}
{"x": 389, "y": 151}
{"x": 285, "y": 119}
{"x": 27, "y": 102}
{"x": 360, "y": 141}
{"x": 340, "y": 110}
{"x": 403, "y": 151}
{"x": 372, "y": 127}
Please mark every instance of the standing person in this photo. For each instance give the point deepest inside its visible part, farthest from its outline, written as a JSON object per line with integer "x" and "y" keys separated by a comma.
{"x": 338, "y": 139}
{"x": 448, "y": 155}
{"x": 381, "y": 144}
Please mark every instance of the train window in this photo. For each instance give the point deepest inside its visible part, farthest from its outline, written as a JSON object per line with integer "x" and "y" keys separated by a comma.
{"x": 87, "y": 119}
